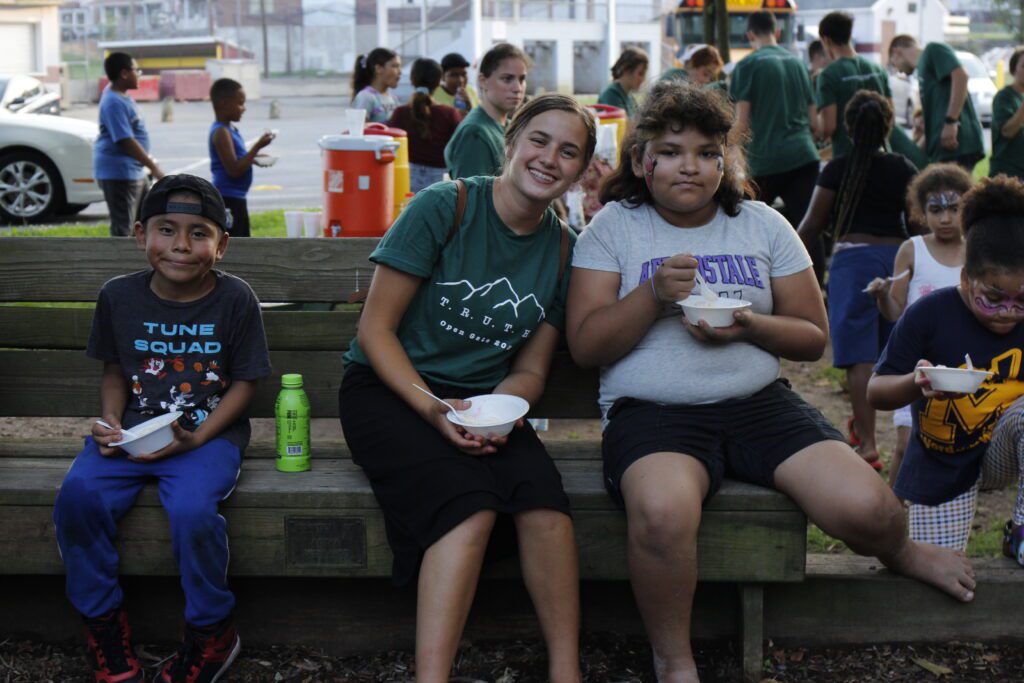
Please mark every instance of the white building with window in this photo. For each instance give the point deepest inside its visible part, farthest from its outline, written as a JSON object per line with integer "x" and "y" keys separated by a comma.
{"x": 30, "y": 36}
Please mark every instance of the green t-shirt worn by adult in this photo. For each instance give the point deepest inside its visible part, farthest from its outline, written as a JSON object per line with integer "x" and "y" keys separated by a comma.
{"x": 1007, "y": 153}
{"x": 674, "y": 74}
{"x": 779, "y": 91}
{"x": 837, "y": 84}
{"x": 477, "y": 148}
{"x": 483, "y": 293}
{"x": 936, "y": 63}
{"x": 615, "y": 95}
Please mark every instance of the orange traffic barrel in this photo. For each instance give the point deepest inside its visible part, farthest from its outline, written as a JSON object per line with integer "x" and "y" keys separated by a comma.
{"x": 607, "y": 114}
{"x": 359, "y": 184}
{"x": 401, "y": 159}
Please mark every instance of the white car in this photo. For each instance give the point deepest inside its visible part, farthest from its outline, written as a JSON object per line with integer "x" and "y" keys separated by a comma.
{"x": 906, "y": 96}
{"x": 980, "y": 87}
{"x": 45, "y": 166}
{"x": 27, "y": 95}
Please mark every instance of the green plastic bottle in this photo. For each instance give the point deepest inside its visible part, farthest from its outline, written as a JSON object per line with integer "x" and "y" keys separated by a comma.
{"x": 291, "y": 412}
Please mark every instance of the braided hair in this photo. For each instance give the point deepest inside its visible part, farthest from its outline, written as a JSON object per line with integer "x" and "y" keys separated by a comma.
{"x": 869, "y": 120}
{"x": 425, "y": 77}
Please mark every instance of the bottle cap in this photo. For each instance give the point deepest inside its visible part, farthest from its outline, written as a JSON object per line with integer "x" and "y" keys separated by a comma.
{"x": 291, "y": 381}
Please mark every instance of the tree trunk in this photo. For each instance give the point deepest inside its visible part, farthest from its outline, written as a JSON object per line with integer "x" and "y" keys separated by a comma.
{"x": 710, "y": 11}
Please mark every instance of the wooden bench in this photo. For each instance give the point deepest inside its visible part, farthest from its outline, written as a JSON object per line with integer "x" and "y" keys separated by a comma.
{"x": 324, "y": 523}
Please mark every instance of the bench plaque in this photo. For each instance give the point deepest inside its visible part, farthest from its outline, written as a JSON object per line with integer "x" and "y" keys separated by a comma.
{"x": 325, "y": 542}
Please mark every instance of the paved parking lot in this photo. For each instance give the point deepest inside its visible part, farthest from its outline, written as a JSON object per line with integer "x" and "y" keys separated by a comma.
{"x": 293, "y": 182}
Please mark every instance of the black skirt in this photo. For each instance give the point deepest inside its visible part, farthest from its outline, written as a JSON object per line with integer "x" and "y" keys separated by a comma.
{"x": 425, "y": 485}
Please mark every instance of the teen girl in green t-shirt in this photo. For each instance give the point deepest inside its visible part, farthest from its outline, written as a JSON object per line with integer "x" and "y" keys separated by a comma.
{"x": 478, "y": 311}
{"x": 478, "y": 146}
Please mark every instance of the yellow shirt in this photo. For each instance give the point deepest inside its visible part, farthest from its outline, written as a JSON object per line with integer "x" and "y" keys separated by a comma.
{"x": 441, "y": 96}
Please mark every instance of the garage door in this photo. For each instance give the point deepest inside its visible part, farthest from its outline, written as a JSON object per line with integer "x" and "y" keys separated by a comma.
{"x": 19, "y": 52}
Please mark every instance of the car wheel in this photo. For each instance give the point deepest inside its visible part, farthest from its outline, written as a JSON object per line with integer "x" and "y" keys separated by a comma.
{"x": 30, "y": 187}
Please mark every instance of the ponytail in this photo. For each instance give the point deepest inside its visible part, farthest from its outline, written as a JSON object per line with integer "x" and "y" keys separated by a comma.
{"x": 425, "y": 76}
{"x": 869, "y": 121}
{"x": 365, "y": 67}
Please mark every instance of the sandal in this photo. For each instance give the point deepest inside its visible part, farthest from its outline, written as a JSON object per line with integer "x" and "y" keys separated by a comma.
{"x": 851, "y": 427}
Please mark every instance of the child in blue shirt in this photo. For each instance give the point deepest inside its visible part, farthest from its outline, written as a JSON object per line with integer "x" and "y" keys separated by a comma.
{"x": 180, "y": 336}
{"x": 230, "y": 164}
{"x": 122, "y": 148}
{"x": 961, "y": 443}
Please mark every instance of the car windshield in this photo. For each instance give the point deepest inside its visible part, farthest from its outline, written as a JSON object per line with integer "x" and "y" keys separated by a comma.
{"x": 972, "y": 65}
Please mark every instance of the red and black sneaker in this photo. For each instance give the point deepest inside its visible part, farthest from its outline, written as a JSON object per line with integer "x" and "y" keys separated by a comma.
{"x": 110, "y": 646}
{"x": 204, "y": 655}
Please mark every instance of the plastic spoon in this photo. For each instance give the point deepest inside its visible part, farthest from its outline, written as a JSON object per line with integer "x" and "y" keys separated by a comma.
{"x": 127, "y": 432}
{"x": 970, "y": 365}
{"x": 709, "y": 294}
{"x": 893, "y": 278}
{"x": 460, "y": 413}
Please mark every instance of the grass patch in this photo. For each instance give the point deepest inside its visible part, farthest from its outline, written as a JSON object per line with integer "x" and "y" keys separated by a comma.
{"x": 262, "y": 224}
{"x": 981, "y": 169}
{"x": 836, "y": 377}
{"x": 982, "y": 543}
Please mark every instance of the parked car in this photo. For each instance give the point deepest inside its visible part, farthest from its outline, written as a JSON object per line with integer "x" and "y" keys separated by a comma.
{"x": 906, "y": 96}
{"x": 980, "y": 86}
{"x": 27, "y": 95}
{"x": 45, "y": 166}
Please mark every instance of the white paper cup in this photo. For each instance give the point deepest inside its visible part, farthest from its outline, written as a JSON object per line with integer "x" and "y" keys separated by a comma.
{"x": 293, "y": 223}
{"x": 353, "y": 121}
{"x": 311, "y": 224}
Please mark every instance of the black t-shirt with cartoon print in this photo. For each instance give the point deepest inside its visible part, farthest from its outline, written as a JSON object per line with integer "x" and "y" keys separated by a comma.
{"x": 180, "y": 355}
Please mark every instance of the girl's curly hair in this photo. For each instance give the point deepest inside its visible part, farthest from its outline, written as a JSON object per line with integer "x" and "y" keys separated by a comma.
{"x": 675, "y": 106}
{"x": 992, "y": 219}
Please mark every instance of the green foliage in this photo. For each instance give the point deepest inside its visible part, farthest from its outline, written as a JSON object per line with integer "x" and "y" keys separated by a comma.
{"x": 981, "y": 169}
{"x": 1009, "y": 14}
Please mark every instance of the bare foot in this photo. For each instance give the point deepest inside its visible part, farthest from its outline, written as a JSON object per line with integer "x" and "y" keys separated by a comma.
{"x": 682, "y": 671}
{"x": 947, "y": 570}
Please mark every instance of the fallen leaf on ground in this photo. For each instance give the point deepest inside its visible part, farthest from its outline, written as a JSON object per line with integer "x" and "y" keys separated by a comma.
{"x": 932, "y": 667}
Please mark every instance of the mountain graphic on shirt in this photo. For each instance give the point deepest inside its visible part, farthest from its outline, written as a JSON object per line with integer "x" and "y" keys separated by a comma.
{"x": 498, "y": 295}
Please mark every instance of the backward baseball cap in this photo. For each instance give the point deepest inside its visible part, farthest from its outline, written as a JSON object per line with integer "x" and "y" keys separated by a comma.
{"x": 210, "y": 205}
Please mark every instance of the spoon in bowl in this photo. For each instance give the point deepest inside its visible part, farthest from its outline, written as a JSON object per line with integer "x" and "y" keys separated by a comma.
{"x": 709, "y": 294}
{"x": 460, "y": 413}
{"x": 127, "y": 432}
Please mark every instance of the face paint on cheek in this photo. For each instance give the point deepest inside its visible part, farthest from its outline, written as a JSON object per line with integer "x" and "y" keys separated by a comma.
{"x": 650, "y": 163}
{"x": 721, "y": 164}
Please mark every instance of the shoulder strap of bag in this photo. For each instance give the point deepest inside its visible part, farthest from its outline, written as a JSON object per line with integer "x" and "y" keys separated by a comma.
{"x": 563, "y": 251}
{"x": 359, "y": 296}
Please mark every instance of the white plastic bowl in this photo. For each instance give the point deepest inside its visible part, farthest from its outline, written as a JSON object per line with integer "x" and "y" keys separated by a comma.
{"x": 490, "y": 415}
{"x": 955, "y": 380}
{"x": 719, "y": 314}
{"x": 265, "y": 160}
{"x": 151, "y": 435}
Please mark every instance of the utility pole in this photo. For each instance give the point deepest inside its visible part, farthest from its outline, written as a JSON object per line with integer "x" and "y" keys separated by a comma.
{"x": 266, "y": 49}
{"x": 722, "y": 22}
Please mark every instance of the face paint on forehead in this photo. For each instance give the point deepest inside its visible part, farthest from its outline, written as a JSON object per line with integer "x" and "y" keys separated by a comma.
{"x": 943, "y": 200}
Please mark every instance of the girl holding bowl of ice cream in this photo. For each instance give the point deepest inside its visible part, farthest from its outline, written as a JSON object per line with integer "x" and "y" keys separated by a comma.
{"x": 469, "y": 307}
{"x": 685, "y": 405}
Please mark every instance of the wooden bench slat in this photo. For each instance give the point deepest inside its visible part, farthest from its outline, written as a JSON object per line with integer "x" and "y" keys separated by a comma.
{"x": 296, "y": 270}
{"x": 276, "y": 542}
{"x": 68, "y": 328}
{"x": 338, "y": 483}
{"x": 62, "y": 383}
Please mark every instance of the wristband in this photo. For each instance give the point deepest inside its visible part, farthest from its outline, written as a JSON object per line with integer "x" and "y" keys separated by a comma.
{"x": 951, "y": 121}
{"x": 655, "y": 292}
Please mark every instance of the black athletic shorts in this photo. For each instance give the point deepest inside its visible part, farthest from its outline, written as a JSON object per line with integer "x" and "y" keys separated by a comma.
{"x": 744, "y": 439}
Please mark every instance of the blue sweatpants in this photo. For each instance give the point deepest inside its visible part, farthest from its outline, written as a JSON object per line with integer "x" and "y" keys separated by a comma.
{"x": 98, "y": 491}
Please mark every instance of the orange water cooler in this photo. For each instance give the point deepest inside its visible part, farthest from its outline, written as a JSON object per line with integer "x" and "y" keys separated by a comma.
{"x": 359, "y": 184}
{"x": 607, "y": 114}
{"x": 401, "y": 164}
